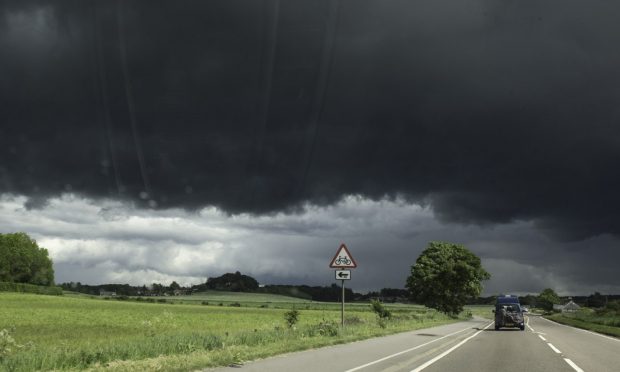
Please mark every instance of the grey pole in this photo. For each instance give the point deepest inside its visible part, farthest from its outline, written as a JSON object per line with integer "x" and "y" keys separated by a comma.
{"x": 342, "y": 308}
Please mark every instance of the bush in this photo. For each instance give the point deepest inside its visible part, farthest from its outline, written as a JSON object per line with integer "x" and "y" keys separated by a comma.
{"x": 204, "y": 303}
{"x": 235, "y": 304}
{"x": 324, "y": 328}
{"x": 378, "y": 308}
{"x": 291, "y": 317}
{"x": 614, "y": 306}
{"x": 30, "y": 288}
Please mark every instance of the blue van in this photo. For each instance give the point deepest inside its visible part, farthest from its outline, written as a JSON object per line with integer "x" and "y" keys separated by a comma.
{"x": 508, "y": 312}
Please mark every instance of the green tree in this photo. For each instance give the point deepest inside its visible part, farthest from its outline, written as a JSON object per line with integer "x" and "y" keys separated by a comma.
{"x": 23, "y": 261}
{"x": 547, "y": 298}
{"x": 445, "y": 276}
{"x": 236, "y": 282}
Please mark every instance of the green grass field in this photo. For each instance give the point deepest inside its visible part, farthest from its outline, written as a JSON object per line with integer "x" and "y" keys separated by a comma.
{"x": 80, "y": 332}
{"x": 606, "y": 322}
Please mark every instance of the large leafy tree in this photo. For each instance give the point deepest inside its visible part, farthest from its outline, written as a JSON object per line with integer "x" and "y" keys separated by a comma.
{"x": 23, "y": 261}
{"x": 445, "y": 276}
{"x": 236, "y": 282}
{"x": 547, "y": 298}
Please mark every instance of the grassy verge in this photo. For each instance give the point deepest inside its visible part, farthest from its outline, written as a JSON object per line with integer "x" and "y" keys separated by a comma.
{"x": 78, "y": 333}
{"x": 605, "y": 323}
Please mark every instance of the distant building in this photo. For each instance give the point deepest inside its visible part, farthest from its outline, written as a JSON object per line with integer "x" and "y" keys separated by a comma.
{"x": 570, "y": 307}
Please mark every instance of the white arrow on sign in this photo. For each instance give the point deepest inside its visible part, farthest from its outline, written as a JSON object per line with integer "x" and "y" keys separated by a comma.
{"x": 343, "y": 259}
{"x": 343, "y": 274}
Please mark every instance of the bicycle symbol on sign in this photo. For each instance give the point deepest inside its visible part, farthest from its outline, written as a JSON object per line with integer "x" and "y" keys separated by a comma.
{"x": 342, "y": 260}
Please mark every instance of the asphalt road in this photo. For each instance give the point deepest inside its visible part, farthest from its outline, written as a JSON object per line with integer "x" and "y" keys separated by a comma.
{"x": 466, "y": 346}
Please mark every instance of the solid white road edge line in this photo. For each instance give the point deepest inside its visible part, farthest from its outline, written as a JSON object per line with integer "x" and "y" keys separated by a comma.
{"x": 554, "y": 348}
{"x": 449, "y": 350}
{"x": 575, "y": 367}
{"x": 583, "y": 330}
{"x": 542, "y": 338}
{"x": 404, "y": 351}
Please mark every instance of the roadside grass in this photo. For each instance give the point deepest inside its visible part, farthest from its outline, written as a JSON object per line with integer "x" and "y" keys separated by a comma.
{"x": 77, "y": 332}
{"x": 482, "y": 311}
{"x": 602, "y": 322}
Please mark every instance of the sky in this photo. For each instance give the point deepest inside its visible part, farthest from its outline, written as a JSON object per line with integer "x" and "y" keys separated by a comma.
{"x": 146, "y": 141}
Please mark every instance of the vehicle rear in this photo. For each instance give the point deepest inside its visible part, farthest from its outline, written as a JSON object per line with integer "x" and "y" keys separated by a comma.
{"x": 509, "y": 316}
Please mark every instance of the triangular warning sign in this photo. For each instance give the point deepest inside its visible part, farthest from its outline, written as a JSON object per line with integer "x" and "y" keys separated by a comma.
{"x": 343, "y": 258}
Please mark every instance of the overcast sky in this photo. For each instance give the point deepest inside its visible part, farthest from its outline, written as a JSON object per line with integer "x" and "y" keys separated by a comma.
{"x": 147, "y": 141}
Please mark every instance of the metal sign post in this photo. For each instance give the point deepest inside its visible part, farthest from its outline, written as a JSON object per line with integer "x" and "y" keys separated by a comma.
{"x": 343, "y": 260}
{"x": 342, "y": 307}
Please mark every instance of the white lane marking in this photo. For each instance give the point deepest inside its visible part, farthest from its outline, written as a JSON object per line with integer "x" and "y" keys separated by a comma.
{"x": 554, "y": 348}
{"x": 528, "y": 324}
{"x": 583, "y": 330}
{"x": 449, "y": 350}
{"x": 542, "y": 338}
{"x": 575, "y": 367}
{"x": 404, "y": 351}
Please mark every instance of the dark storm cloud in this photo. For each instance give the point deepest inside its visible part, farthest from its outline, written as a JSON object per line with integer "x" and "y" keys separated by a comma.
{"x": 490, "y": 111}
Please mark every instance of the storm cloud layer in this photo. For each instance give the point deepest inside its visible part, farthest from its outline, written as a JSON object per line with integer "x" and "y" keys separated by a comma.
{"x": 483, "y": 112}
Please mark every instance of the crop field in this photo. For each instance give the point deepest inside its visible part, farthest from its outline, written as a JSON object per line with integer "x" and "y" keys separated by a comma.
{"x": 79, "y": 332}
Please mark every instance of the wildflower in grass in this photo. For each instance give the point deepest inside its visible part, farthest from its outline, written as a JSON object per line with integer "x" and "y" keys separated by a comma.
{"x": 8, "y": 344}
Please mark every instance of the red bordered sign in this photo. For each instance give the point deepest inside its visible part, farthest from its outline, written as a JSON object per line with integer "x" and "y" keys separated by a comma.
{"x": 343, "y": 259}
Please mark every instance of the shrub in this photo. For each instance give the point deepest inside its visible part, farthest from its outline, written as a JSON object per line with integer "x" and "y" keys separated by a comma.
{"x": 291, "y": 317}
{"x": 381, "y": 322}
{"x": 378, "y": 308}
{"x": 161, "y": 300}
{"x": 235, "y": 304}
{"x": 324, "y": 328}
{"x": 204, "y": 303}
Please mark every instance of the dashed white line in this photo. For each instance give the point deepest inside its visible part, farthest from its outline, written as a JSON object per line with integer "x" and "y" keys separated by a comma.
{"x": 554, "y": 348}
{"x": 449, "y": 350}
{"x": 405, "y": 351}
{"x": 575, "y": 367}
{"x": 570, "y": 362}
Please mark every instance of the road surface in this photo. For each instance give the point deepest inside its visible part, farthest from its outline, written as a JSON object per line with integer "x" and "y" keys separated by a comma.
{"x": 465, "y": 347}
